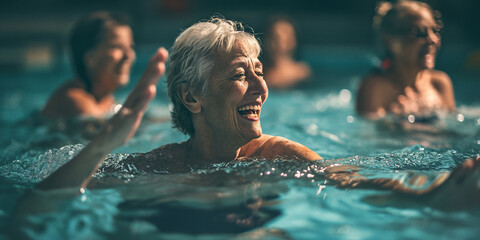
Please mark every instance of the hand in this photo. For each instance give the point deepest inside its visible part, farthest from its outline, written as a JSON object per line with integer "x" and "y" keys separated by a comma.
{"x": 407, "y": 103}
{"x": 124, "y": 124}
{"x": 461, "y": 189}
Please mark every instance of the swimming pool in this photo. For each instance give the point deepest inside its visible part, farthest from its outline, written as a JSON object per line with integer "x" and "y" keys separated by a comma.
{"x": 259, "y": 199}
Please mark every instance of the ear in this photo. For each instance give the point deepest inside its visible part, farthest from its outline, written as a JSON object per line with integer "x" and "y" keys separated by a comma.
{"x": 392, "y": 43}
{"x": 188, "y": 99}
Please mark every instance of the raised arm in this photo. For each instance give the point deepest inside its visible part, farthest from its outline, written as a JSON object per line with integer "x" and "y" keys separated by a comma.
{"x": 118, "y": 130}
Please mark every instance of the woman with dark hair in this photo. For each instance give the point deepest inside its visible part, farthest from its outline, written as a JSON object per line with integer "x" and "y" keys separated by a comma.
{"x": 102, "y": 52}
{"x": 406, "y": 83}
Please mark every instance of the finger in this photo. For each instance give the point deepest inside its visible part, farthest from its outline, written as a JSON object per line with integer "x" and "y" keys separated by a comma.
{"x": 153, "y": 72}
{"x": 395, "y": 108}
{"x": 140, "y": 100}
{"x": 155, "y": 68}
{"x": 409, "y": 92}
{"x": 402, "y": 99}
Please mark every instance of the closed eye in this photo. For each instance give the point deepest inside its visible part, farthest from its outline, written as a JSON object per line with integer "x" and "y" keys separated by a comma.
{"x": 116, "y": 46}
{"x": 239, "y": 76}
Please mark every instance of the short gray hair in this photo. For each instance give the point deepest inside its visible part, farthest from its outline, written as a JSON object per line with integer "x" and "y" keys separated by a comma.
{"x": 193, "y": 57}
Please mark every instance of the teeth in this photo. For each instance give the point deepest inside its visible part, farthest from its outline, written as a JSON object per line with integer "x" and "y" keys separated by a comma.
{"x": 250, "y": 107}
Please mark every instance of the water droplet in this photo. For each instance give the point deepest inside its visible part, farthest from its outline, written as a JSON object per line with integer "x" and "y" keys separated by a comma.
{"x": 411, "y": 118}
{"x": 312, "y": 129}
{"x": 117, "y": 107}
{"x": 460, "y": 117}
{"x": 345, "y": 96}
{"x": 350, "y": 119}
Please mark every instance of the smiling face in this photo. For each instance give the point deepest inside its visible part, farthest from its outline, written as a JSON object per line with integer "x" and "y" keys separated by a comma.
{"x": 417, "y": 46}
{"x": 231, "y": 109}
{"x": 109, "y": 63}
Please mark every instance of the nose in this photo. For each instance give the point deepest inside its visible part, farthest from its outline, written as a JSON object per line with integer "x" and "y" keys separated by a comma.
{"x": 433, "y": 37}
{"x": 129, "y": 54}
{"x": 257, "y": 84}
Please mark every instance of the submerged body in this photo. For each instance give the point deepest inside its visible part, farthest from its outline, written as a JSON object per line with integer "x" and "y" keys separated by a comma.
{"x": 180, "y": 157}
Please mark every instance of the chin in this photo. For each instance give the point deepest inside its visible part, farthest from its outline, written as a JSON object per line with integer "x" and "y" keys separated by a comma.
{"x": 123, "y": 80}
{"x": 428, "y": 66}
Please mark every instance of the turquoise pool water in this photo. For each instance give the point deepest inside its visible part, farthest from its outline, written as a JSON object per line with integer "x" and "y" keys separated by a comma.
{"x": 254, "y": 200}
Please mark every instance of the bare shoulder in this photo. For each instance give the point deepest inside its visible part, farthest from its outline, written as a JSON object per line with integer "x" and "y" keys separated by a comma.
{"x": 375, "y": 92}
{"x": 78, "y": 96}
{"x": 373, "y": 79}
{"x": 442, "y": 83}
{"x": 66, "y": 101}
{"x": 440, "y": 80}
{"x": 268, "y": 146}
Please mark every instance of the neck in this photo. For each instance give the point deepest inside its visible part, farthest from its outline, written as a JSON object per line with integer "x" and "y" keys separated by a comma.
{"x": 99, "y": 88}
{"x": 99, "y": 94}
{"x": 404, "y": 75}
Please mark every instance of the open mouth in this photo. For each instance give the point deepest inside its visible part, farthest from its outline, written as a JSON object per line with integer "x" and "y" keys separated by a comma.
{"x": 429, "y": 56}
{"x": 250, "y": 111}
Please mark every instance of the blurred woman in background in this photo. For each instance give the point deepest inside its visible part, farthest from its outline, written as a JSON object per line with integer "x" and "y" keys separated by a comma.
{"x": 406, "y": 83}
{"x": 101, "y": 45}
{"x": 281, "y": 69}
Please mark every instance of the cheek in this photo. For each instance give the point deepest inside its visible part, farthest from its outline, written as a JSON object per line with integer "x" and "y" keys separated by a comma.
{"x": 114, "y": 55}
{"x": 396, "y": 47}
{"x": 405, "y": 49}
{"x": 232, "y": 98}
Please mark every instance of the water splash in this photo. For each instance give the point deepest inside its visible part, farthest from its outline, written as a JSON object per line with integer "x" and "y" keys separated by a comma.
{"x": 29, "y": 168}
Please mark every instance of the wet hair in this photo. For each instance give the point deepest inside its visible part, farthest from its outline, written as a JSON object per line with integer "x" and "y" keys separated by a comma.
{"x": 390, "y": 17}
{"x": 193, "y": 57}
{"x": 86, "y": 34}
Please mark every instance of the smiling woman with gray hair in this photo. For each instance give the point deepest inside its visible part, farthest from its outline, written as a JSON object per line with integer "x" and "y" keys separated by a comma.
{"x": 193, "y": 58}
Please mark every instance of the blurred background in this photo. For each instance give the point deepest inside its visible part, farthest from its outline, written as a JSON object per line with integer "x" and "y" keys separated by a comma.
{"x": 33, "y": 33}
{"x": 334, "y": 37}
